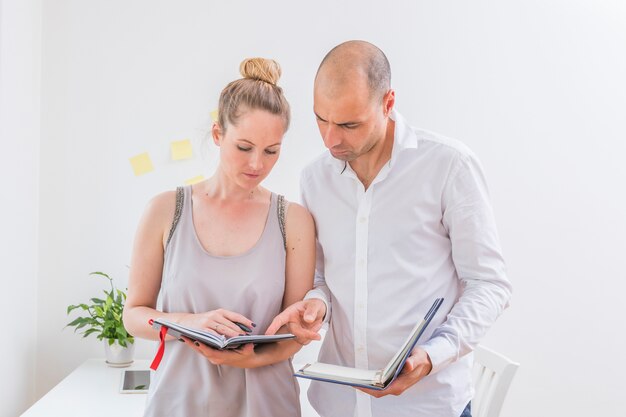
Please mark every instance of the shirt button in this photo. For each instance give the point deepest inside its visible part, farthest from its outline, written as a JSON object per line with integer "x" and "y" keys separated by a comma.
{"x": 363, "y": 219}
{"x": 361, "y": 262}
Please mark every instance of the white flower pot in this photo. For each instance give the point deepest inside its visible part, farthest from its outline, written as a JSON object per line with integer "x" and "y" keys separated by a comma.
{"x": 117, "y": 355}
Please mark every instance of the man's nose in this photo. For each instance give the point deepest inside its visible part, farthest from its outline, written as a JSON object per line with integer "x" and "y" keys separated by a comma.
{"x": 331, "y": 136}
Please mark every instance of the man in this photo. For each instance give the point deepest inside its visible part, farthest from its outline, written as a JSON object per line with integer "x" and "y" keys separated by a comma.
{"x": 403, "y": 217}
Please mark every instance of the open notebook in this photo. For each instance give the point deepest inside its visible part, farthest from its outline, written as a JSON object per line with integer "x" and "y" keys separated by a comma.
{"x": 377, "y": 379}
{"x": 217, "y": 341}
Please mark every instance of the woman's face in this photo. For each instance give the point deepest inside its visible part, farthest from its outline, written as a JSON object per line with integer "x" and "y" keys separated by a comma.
{"x": 249, "y": 150}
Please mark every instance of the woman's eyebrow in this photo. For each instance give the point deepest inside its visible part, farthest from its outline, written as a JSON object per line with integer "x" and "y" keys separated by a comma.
{"x": 251, "y": 143}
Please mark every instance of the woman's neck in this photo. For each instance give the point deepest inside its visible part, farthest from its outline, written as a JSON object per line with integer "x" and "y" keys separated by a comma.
{"x": 220, "y": 187}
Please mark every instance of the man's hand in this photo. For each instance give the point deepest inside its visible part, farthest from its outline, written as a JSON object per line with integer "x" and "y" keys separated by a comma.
{"x": 417, "y": 366}
{"x": 304, "y": 319}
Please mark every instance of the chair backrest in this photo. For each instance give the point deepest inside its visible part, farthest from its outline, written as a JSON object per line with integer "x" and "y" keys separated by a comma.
{"x": 492, "y": 375}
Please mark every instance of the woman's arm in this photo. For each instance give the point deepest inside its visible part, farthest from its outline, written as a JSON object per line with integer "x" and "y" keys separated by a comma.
{"x": 146, "y": 266}
{"x": 299, "y": 271}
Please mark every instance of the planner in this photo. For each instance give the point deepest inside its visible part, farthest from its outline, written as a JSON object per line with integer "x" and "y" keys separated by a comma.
{"x": 377, "y": 379}
{"x": 217, "y": 341}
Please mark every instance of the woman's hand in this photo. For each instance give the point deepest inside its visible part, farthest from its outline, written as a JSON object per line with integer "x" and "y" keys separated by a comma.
{"x": 218, "y": 321}
{"x": 242, "y": 357}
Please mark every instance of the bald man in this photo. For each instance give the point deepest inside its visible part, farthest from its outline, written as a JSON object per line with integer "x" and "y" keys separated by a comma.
{"x": 403, "y": 217}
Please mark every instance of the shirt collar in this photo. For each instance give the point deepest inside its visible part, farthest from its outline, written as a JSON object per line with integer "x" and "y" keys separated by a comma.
{"x": 403, "y": 138}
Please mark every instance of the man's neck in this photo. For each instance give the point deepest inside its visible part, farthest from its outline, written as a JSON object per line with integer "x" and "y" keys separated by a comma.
{"x": 367, "y": 166}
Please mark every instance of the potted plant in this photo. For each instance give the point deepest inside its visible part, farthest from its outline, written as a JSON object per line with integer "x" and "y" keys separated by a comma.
{"x": 104, "y": 319}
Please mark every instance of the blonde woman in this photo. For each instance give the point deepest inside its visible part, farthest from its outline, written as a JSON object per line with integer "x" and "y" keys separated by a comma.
{"x": 221, "y": 252}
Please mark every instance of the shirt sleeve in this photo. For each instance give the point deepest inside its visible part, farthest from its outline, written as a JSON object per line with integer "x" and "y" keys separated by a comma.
{"x": 320, "y": 289}
{"x": 486, "y": 291}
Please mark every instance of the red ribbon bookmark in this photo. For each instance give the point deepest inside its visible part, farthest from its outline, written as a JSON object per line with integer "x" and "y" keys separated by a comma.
{"x": 159, "y": 354}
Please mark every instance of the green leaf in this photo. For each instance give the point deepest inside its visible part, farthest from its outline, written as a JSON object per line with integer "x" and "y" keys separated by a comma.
{"x": 101, "y": 274}
{"x": 97, "y": 300}
{"x": 89, "y": 331}
{"x": 81, "y": 325}
{"x": 76, "y": 321}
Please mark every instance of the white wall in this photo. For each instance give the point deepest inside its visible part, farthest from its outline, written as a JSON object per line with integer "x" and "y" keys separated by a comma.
{"x": 536, "y": 88}
{"x": 20, "y": 60}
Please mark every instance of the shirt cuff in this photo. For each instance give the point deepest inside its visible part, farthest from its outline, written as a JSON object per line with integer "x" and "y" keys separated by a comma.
{"x": 441, "y": 352}
{"x": 320, "y": 295}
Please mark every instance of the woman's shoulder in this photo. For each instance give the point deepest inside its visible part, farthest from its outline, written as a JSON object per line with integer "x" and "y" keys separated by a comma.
{"x": 297, "y": 217}
{"x": 162, "y": 206}
{"x": 296, "y": 210}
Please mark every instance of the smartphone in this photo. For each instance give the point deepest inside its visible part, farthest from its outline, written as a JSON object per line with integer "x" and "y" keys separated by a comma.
{"x": 135, "y": 381}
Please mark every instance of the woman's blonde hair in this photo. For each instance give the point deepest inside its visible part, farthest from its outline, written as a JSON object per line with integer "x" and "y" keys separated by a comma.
{"x": 256, "y": 90}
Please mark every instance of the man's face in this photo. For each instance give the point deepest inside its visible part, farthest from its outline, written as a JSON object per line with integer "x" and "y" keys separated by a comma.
{"x": 350, "y": 121}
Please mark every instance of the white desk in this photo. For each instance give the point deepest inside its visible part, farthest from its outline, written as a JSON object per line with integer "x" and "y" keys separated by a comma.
{"x": 93, "y": 390}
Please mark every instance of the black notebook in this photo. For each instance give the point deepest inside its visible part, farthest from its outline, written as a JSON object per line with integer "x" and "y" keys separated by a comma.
{"x": 217, "y": 341}
{"x": 377, "y": 379}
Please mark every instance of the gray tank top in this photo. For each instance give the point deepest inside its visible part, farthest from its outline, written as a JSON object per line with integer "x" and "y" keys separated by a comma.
{"x": 253, "y": 284}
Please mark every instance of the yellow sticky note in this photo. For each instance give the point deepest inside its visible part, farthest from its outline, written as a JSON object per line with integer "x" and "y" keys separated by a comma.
{"x": 181, "y": 149}
{"x": 194, "y": 180}
{"x": 142, "y": 164}
{"x": 214, "y": 115}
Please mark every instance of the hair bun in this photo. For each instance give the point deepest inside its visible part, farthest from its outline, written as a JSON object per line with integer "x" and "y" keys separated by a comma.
{"x": 262, "y": 69}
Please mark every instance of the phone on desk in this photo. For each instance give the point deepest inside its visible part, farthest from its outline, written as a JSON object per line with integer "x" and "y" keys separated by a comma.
{"x": 135, "y": 381}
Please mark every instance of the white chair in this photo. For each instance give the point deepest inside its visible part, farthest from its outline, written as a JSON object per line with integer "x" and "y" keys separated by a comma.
{"x": 492, "y": 376}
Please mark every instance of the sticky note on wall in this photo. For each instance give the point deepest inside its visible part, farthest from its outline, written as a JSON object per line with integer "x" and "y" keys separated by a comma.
{"x": 214, "y": 115}
{"x": 194, "y": 180}
{"x": 181, "y": 149}
{"x": 142, "y": 164}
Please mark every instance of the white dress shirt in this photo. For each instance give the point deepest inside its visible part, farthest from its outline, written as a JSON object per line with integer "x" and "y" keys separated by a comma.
{"x": 423, "y": 229}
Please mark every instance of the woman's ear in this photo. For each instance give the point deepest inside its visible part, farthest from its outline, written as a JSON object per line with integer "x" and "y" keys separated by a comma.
{"x": 216, "y": 132}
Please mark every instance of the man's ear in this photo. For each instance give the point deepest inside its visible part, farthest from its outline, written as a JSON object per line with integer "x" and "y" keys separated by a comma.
{"x": 216, "y": 132}
{"x": 389, "y": 99}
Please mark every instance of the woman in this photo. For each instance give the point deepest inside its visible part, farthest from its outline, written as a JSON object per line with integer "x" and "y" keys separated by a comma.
{"x": 221, "y": 252}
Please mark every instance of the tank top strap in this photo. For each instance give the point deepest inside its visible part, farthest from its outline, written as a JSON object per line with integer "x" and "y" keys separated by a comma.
{"x": 281, "y": 205}
{"x": 180, "y": 196}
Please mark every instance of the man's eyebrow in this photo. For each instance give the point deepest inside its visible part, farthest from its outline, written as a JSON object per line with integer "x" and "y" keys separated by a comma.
{"x": 348, "y": 123}
{"x": 338, "y": 124}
